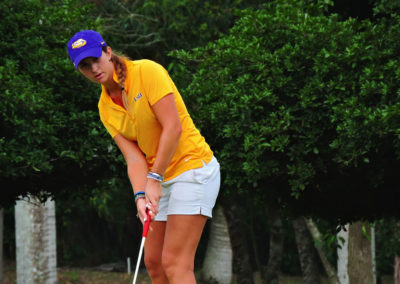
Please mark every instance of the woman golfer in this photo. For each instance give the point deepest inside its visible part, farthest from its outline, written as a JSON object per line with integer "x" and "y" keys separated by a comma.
{"x": 170, "y": 166}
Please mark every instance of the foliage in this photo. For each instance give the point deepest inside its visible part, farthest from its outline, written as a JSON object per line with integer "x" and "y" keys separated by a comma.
{"x": 303, "y": 108}
{"x": 49, "y": 122}
{"x": 386, "y": 9}
{"x": 151, "y": 29}
{"x": 387, "y": 244}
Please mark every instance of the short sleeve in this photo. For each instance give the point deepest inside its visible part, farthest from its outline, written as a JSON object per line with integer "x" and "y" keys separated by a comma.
{"x": 156, "y": 81}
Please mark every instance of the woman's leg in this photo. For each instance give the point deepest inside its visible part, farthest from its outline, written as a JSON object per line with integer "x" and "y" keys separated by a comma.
{"x": 182, "y": 236}
{"x": 153, "y": 251}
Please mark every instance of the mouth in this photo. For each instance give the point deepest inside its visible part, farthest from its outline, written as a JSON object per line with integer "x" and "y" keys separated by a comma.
{"x": 98, "y": 76}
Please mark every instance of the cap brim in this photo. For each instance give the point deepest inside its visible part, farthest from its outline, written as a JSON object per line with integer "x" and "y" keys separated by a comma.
{"x": 91, "y": 52}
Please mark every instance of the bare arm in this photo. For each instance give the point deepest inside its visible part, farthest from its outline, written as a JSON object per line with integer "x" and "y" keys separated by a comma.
{"x": 136, "y": 167}
{"x": 167, "y": 115}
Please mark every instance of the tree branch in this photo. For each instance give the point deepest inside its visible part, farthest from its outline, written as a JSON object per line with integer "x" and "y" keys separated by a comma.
{"x": 329, "y": 269}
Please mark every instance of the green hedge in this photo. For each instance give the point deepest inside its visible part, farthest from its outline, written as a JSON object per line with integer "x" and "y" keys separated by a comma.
{"x": 303, "y": 108}
{"x": 50, "y": 129}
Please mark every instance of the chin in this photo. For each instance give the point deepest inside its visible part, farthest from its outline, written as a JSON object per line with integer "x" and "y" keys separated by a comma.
{"x": 94, "y": 80}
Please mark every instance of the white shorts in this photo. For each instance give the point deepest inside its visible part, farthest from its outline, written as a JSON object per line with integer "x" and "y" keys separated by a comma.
{"x": 192, "y": 192}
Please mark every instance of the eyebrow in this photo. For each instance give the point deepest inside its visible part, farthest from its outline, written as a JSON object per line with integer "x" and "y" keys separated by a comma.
{"x": 87, "y": 60}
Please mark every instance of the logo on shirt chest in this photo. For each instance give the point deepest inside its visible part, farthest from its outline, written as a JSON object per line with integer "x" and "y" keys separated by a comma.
{"x": 138, "y": 96}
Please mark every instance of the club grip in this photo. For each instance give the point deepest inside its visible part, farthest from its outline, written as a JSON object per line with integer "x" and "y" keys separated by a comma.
{"x": 146, "y": 225}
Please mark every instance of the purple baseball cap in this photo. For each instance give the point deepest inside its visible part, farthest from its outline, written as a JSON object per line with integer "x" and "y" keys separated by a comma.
{"x": 84, "y": 44}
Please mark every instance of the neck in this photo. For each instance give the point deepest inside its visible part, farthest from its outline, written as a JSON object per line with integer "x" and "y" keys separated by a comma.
{"x": 113, "y": 89}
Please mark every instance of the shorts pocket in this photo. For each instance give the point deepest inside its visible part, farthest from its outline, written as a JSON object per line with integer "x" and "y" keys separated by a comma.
{"x": 183, "y": 177}
{"x": 203, "y": 175}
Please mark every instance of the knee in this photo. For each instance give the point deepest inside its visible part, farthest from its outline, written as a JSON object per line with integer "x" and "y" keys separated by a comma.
{"x": 153, "y": 264}
{"x": 174, "y": 266}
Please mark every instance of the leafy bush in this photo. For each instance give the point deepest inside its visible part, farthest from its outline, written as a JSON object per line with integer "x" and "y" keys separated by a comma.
{"x": 303, "y": 108}
{"x": 49, "y": 121}
{"x": 151, "y": 29}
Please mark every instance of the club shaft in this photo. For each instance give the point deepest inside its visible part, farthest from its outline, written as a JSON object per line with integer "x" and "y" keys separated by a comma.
{"x": 139, "y": 258}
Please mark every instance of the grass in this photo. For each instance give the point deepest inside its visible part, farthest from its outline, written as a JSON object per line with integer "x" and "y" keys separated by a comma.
{"x": 81, "y": 276}
{"x": 85, "y": 276}
{"x": 75, "y": 276}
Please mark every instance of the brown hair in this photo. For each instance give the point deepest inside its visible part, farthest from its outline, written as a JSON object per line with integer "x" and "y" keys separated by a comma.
{"x": 121, "y": 70}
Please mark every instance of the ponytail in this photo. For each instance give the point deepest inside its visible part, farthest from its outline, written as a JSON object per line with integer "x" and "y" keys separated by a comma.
{"x": 120, "y": 69}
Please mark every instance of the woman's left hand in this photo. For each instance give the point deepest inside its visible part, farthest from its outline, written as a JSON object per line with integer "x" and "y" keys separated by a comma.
{"x": 153, "y": 195}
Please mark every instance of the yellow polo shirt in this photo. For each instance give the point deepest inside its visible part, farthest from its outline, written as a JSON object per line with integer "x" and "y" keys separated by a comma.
{"x": 146, "y": 83}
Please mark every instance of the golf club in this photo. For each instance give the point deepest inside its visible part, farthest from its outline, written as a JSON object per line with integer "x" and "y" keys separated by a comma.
{"x": 146, "y": 226}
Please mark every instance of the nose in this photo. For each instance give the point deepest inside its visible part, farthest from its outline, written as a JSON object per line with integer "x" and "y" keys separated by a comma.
{"x": 94, "y": 66}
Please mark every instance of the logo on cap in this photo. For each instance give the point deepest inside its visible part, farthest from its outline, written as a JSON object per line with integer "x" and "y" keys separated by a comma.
{"x": 79, "y": 43}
